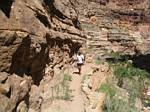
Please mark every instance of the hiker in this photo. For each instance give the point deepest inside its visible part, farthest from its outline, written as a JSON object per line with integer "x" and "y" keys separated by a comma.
{"x": 80, "y": 61}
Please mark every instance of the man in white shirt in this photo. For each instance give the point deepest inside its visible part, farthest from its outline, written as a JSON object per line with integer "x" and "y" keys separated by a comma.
{"x": 80, "y": 61}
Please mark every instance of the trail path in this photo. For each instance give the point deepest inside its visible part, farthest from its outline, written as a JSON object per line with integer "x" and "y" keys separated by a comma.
{"x": 79, "y": 98}
{"x": 77, "y": 105}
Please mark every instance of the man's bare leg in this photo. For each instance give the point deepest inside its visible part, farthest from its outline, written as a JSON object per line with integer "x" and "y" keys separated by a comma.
{"x": 79, "y": 70}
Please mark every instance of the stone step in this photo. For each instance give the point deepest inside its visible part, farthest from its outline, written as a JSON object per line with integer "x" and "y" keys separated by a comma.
{"x": 100, "y": 43}
{"x": 97, "y": 39}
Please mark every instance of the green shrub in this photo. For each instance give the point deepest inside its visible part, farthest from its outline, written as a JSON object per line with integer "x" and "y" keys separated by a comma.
{"x": 125, "y": 70}
{"x": 146, "y": 102}
{"x": 135, "y": 80}
{"x": 63, "y": 90}
{"x": 116, "y": 55}
{"x": 67, "y": 77}
{"x": 129, "y": 78}
{"x": 108, "y": 89}
{"x": 116, "y": 104}
{"x": 98, "y": 62}
{"x": 116, "y": 101}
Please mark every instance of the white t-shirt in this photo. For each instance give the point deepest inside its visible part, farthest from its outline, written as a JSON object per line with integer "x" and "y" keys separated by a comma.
{"x": 80, "y": 59}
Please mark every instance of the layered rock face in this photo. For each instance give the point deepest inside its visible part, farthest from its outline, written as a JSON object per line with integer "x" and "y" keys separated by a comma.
{"x": 37, "y": 39}
{"x": 115, "y": 26}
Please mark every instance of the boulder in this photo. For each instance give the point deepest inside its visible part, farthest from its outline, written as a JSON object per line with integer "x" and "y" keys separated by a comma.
{"x": 22, "y": 107}
{"x": 4, "y": 88}
{"x": 3, "y": 76}
{"x": 3, "y": 103}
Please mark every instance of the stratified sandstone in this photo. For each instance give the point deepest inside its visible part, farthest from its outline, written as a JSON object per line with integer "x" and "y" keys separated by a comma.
{"x": 35, "y": 36}
{"x": 39, "y": 37}
{"x": 115, "y": 26}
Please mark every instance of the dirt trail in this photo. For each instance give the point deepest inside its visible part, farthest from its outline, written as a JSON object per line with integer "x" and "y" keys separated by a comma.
{"x": 77, "y": 105}
{"x": 79, "y": 98}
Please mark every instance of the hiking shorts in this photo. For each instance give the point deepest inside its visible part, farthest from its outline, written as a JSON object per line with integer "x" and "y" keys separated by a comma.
{"x": 79, "y": 65}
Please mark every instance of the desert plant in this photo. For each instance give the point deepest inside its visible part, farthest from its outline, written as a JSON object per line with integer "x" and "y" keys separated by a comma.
{"x": 108, "y": 89}
{"x": 67, "y": 77}
{"x": 63, "y": 90}
{"x": 116, "y": 104}
{"x": 124, "y": 71}
{"x": 131, "y": 79}
{"x": 98, "y": 61}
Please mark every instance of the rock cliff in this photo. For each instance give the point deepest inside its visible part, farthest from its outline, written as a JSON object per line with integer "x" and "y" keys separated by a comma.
{"x": 115, "y": 25}
{"x": 121, "y": 27}
{"x": 37, "y": 39}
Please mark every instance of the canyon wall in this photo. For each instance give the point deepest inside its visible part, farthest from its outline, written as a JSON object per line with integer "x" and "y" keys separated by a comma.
{"x": 37, "y": 41}
{"x": 115, "y": 25}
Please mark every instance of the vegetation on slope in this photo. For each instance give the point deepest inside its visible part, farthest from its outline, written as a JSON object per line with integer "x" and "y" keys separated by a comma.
{"x": 126, "y": 87}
